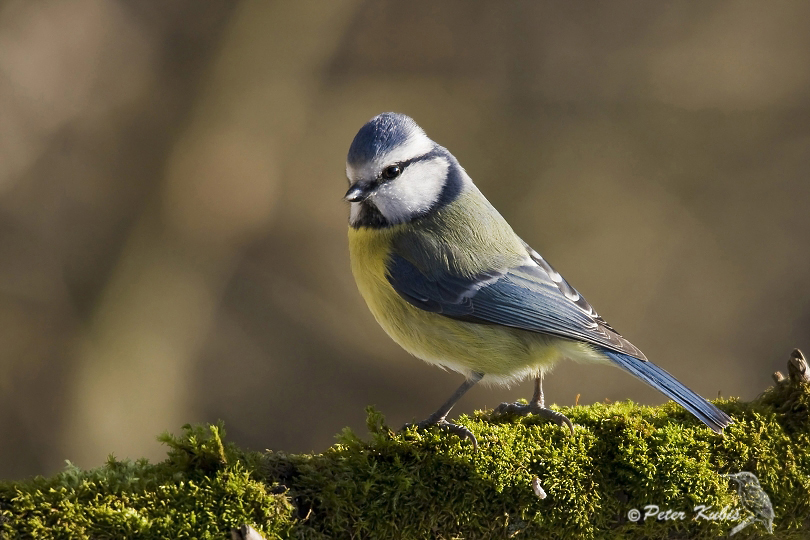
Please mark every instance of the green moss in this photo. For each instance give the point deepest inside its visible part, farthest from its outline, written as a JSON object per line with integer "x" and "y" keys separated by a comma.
{"x": 200, "y": 491}
{"x": 430, "y": 485}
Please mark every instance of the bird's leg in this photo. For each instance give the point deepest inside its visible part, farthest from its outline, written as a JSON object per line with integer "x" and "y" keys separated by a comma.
{"x": 439, "y": 418}
{"x": 536, "y": 406}
{"x": 538, "y": 398}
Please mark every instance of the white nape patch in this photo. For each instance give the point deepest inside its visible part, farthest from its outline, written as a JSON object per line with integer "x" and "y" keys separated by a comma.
{"x": 413, "y": 192}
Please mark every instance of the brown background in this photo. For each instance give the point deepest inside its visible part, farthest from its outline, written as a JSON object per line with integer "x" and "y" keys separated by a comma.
{"x": 173, "y": 240}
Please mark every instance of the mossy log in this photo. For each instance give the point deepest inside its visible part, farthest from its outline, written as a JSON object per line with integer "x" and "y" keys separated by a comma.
{"x": 529, "y": 479}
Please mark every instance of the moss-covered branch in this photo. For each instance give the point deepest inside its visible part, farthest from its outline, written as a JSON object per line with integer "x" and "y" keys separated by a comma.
{"x": 430, "y": 485}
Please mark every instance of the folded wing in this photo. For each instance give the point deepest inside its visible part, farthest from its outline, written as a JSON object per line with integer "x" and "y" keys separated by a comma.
{"x": 531, "y": 297}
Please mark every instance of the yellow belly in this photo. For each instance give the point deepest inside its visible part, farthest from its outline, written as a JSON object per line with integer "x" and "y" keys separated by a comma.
{"x": 503, "y": 354}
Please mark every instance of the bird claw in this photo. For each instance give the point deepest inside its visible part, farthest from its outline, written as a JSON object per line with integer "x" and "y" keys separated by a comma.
{"x": 534, "y": 408}
{"x": 459, "y": 431}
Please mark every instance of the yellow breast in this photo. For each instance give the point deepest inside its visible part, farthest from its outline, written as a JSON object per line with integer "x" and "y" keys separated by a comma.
{"x": 504, "y": 354}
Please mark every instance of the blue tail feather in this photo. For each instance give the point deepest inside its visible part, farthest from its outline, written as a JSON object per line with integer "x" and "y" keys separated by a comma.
{"x": 674, "y": 389}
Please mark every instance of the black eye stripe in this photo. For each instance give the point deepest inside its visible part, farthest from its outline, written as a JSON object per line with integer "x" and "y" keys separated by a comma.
{"x": 403, "y": 164}
{"x": 424, "y": 157}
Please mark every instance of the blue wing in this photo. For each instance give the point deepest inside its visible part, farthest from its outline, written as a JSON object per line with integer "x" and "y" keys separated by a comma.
{"x": 531, "y": 297}
{"x": 536, "y": 298}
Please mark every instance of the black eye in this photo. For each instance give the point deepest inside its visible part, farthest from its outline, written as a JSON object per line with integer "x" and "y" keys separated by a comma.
{"x": 391, "y": 172}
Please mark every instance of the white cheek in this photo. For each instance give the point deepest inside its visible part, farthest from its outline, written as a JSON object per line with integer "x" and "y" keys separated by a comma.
{"x": 418, "y": 189}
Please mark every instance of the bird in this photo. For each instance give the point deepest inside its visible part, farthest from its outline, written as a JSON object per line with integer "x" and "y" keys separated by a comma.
{"x": 754, "y": 499}
{"x": 447, "y": 278}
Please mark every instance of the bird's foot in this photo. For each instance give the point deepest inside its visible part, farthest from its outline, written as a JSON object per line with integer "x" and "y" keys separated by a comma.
{"x": 442, "y": 423}
{"x": 533, "y": 408}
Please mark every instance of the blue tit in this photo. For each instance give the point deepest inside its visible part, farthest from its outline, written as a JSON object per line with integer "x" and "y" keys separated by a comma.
{"x": 448, "y": 279}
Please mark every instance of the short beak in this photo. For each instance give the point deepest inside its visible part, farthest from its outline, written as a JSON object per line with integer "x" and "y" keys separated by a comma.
{"x": 358, "y": 193}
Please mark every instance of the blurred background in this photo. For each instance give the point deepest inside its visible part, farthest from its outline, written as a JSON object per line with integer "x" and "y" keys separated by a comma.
{"x": 173, "y": 240}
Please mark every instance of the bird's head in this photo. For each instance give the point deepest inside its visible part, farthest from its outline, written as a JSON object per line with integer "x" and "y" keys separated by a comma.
{"x": 397, "y": 173}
